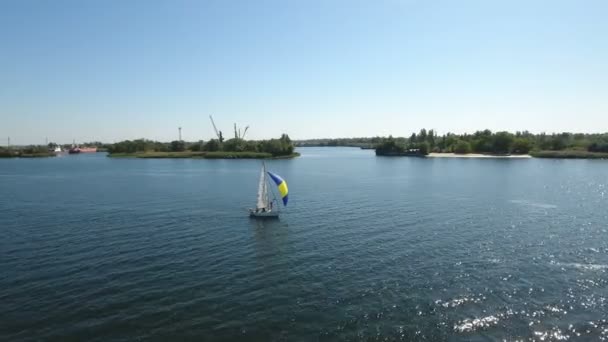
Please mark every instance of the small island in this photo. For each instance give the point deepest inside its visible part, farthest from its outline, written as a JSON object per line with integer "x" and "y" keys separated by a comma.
{"x": 488, "y": 144}
{"x": 236, "y": 148}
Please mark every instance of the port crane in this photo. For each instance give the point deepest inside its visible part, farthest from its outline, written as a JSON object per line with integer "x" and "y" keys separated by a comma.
{"x": 218, "y": 133}
{"x": 237, "y": 131}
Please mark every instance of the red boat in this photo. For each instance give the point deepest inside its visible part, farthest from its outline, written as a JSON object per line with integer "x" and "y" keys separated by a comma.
{"x": 76, "y": 149}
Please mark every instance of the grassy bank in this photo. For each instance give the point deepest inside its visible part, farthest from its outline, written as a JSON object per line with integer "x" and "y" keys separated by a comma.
{"x": 479, "y": 155}
{"x": 569, "y": 154}
{"x": 36, "y": 155}
{"x": 202, "y": 155}
{"x": 158, "y": 155}
{"x": 25, "y": 155}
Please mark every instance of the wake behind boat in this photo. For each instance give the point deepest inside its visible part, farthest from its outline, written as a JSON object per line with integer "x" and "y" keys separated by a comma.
{"x": 265, "y": 207}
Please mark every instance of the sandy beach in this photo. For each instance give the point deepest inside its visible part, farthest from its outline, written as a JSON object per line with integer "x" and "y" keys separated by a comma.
{"x": 477, "y": 155}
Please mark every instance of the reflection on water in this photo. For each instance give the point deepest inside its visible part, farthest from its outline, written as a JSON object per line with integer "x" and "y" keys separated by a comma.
{"x": 368, "y": 249}
{"x": 534, "y": 204}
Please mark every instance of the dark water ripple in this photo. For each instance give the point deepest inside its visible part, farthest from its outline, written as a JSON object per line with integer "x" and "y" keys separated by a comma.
{"x": 369, "y": 248}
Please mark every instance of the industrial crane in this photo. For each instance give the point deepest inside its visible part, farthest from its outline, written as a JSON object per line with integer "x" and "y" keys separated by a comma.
{"x": 237, "y": 132}
{"x": 218, "y": 133}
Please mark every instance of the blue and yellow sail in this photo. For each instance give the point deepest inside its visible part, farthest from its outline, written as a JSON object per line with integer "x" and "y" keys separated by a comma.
{"x": 282, "y": 185}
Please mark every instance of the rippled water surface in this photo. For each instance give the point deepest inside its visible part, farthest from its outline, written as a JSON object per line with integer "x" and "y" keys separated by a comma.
{"x": 369, "y": 248}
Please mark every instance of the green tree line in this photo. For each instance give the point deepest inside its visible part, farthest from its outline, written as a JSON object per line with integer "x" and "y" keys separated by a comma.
{"x": 21, "y": 151}
{"x": 277, "y": 147}
{"x": 490, "y": 142}
{"x": 401, "y": 145}
{"x": 352, "y": 142}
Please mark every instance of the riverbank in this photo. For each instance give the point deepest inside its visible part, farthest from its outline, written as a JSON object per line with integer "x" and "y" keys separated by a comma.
{"x": 478, "y": 155}
{"x": 569, "y": 154}
{"x": 534, "y": 154}
{"x": 26, "y": 155}
{"x": 202, "y": 155}
{"x": 380, "y": 153}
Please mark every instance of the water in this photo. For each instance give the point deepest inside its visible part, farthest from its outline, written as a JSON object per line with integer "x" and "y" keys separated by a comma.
{"x": 100, "y": 249}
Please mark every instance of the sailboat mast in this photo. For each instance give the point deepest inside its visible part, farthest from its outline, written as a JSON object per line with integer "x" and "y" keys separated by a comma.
{"x": 266, "y": 199}
{"x": 265, "y": 189}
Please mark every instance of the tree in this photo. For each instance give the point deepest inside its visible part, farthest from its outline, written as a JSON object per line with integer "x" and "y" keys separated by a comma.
{"x": 212, "y": 145}
{"x": 250, "y": 146}
{"x": 422, "y": 135}
{"x": 197, "y": 146}
{"x": 177, "y": 146}
{"x": 160, "y": 147}
{"x": 423, "y": 147}
{"x": 32, "y": 149}
{"x": 462, "y": 147}
{"x": 598, "y": 147}
{"x": 450, "y": 141}
{"x": 482, "y": 141}
{"x": 431, "y": 139}
{"x": 389, "y": 146}
{"x": 232, "y": 145}
{"x": 413, "y": 138}
{"x": 286, "y": 145}
{"x": 279, "y": 147}
{"x": 502, "y": 142}
{"x": 559, "y": 141}
{"x": 521, "y": 146}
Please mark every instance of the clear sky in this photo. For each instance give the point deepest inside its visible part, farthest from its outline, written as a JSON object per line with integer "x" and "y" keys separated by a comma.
{"x": 110, "y": 70}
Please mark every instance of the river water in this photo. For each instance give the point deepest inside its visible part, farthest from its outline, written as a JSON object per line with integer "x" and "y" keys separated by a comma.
{"x": 368, "y": 248}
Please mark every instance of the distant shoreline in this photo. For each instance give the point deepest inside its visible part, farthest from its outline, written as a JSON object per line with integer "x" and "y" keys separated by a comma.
{"x": 569, "y": 154}
{"x": 26, "y": 155}
{"x": 561, "y": 154}
{"x": 201, "y": 155}
{"x": 478, "y": 155}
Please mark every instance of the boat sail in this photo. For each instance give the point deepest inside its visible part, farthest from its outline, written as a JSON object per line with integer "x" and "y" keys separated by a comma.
{"x": 264, "y": 206}
{"x": 262, "y": 192}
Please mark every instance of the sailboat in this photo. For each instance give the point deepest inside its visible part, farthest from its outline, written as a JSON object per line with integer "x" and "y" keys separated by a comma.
{"x": 265, "y": 207}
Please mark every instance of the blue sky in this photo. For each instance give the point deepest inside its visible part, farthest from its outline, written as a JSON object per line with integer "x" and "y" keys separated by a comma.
{"x": 114, "y": 70}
